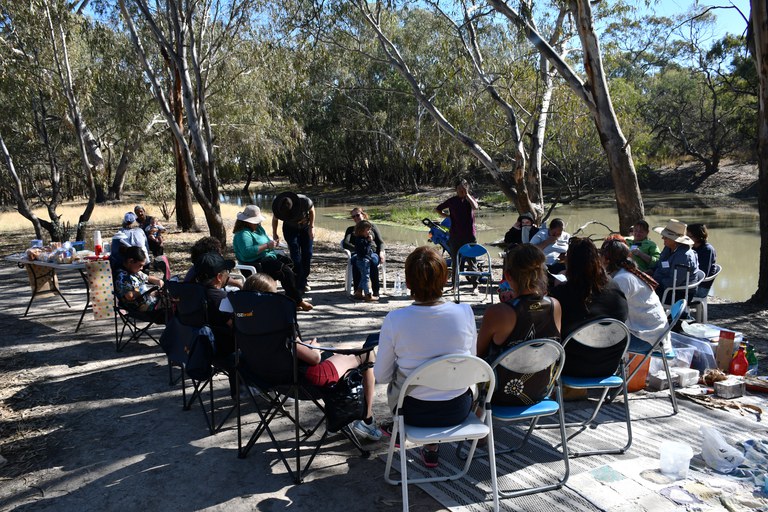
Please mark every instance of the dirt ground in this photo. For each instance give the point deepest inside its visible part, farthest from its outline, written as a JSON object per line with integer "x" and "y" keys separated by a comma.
{"x": 83, "y": 427}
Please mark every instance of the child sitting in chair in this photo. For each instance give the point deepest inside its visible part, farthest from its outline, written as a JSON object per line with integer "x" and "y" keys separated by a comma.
{"x": 363, "y": 257}
{"x": 155, "y": 236}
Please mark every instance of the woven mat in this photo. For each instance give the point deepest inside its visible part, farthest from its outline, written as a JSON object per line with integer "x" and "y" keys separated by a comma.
{"x": 540, "y": 461}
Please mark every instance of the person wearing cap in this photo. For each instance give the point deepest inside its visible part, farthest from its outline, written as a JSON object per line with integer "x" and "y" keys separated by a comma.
{"x": 298, "y": 215}
{"x": 677, "y": 254}
{"x": 253, "y": 246}
{"x": 644, "y": 251}
{"x": 212, "y": 271}
{"x": 461, "y": 210}
{"x": 521, "y": 231}
{"x": 129, "y": 235}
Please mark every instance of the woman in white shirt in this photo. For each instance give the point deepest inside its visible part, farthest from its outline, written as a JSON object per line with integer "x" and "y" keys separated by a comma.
{"x": 647, "y": 319}
{"x": 416, "y": 334}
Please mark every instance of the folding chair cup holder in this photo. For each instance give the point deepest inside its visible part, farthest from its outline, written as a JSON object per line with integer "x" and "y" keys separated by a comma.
{"x": 267, "y": 368}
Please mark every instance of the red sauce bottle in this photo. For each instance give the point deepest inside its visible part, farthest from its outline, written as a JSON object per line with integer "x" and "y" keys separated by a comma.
{"x": 739, "y": 364}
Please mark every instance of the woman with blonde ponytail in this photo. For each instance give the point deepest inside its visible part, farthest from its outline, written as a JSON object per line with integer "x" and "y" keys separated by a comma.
{"x": 647, "y": 319}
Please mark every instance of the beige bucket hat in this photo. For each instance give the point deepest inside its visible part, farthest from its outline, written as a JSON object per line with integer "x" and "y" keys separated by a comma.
{"x": 675, "y": 230}
{"x": 251, "y": 214}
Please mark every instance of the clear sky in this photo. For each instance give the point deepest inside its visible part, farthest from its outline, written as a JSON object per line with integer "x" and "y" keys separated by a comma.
{"x": 728, "y": 20}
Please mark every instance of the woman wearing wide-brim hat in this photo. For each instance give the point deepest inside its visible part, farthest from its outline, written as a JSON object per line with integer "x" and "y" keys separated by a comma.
{"x": 677, "y": 253}
{"x": 298, "y": 215}
{"x": 253, "y": 246}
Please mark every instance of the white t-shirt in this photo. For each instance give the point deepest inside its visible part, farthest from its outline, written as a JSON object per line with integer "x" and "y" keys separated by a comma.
{"x": 552, "y": 252}
{"x": 416, "y": 334}
{"x": 647, "y": 319}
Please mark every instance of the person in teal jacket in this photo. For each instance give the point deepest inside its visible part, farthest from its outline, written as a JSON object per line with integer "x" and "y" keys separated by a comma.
{"x": 254, "y": 247}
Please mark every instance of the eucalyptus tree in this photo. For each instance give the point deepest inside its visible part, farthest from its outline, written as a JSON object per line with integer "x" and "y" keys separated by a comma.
{"x": 758, "y": 30}
{"x": 37, "y": 41}
{"x": 201, "y": 42}
{"x": 480, "y": 69}
{"x": 594, "y": 93}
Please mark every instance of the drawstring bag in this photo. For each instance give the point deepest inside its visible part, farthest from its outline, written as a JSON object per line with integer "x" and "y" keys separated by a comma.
{"x": 345, "y": 400}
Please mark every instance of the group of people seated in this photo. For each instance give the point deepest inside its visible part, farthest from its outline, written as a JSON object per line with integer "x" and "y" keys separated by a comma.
{"x": 620, "y": 280}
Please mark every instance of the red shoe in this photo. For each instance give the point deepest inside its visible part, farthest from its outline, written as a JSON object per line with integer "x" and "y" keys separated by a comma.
{"x": 431, "y": 459}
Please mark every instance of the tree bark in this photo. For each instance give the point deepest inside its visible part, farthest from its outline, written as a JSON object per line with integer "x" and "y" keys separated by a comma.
{"x": 759, "y": 32}
{"x": 18, "y": 193}
{"x": 595, "y": 95}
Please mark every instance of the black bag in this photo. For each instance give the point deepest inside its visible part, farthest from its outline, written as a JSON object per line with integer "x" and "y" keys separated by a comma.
{"x": 345, "y": 400}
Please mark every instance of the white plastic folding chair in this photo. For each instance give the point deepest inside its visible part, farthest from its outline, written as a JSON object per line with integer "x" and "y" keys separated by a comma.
{"x": 644, "y": 350}
{"x": 444, "y": 373}
{"x": 604, "y": 333}
{"x": 485, "y": 271}
{"x": 526, "y": 359}
{"x": 348, "y": 280}
{"x": 681, "y": 290}
{"x": 698, "y": 305}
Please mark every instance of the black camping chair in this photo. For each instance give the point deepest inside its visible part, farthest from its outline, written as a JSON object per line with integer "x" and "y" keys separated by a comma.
{"x": 131, "y": 325}
{"x": 266, "y": 334}
{"x": 189, "y": 342}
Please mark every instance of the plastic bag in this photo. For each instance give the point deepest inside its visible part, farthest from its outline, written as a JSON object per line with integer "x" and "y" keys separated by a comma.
{"x": 717, "y": 453}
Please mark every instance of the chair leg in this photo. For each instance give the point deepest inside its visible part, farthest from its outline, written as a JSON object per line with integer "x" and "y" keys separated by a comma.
{"x": 669, "y": 380}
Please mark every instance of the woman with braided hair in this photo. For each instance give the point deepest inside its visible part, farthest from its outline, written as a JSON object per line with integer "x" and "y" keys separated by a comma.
{"x": 647, "y": 319}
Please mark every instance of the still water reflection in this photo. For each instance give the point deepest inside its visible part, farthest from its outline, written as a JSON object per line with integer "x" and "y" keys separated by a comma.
{"x": 733, "y": 232}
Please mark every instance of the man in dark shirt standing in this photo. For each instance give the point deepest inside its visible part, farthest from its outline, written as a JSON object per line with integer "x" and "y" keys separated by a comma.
{"x": 461, "y": 210}
{"x": 297, "y": 212}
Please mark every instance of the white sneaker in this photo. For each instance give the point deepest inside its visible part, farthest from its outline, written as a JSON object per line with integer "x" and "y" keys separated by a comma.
{"x": 370, "y": 432}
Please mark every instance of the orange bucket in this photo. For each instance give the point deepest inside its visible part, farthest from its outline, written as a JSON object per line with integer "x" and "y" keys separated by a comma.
{"x": 637, "y": 382}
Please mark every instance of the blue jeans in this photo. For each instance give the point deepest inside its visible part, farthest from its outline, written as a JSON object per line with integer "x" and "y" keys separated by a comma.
{"x": 375, "y": 283}
{"x": 364, "y": 268}
{"x": 300, "y": 246}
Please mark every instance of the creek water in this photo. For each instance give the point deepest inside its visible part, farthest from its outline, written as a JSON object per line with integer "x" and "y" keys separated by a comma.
{"x": 733, "y": 230}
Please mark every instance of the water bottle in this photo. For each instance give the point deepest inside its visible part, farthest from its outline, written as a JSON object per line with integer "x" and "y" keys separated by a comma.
{"x": 398, "y": 285}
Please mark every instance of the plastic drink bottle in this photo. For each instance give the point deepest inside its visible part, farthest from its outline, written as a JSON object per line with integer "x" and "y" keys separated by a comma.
{"x": 97, "y": 242}
{"x": 739, "y": 364}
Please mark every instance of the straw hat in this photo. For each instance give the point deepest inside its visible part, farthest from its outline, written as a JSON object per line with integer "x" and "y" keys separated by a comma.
{"x": 251, "y": 214}
{"x": 674, "y": 230}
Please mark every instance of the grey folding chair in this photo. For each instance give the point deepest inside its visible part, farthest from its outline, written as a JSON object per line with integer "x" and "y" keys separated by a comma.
{"x": 602, "y": 334}
{"x": 698, "y": 304}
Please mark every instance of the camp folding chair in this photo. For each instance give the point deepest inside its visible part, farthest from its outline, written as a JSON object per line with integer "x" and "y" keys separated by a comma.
{"x": 266, "y": 333}
{"x": 450, "y": 372}
{"x": 600, "y": 334}
{"x": 189, "y": 343}
{"x": 640, "y": 348}
{"x": 528, "y": 359}
{"x": 698, "y": 304}
{"x": 136, "y": 323}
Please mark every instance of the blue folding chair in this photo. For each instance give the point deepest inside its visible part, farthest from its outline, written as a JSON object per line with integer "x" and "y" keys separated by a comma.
{"x": 603, "y": 334}
{"x": 511, "y": 368}
{"x": 640, "y": 348}
{"x": 484, "y": 270}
